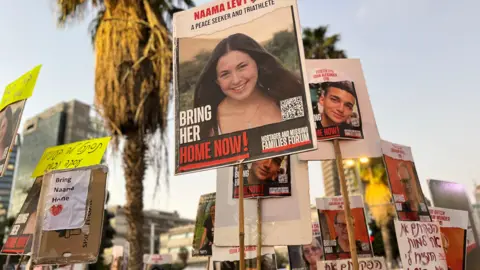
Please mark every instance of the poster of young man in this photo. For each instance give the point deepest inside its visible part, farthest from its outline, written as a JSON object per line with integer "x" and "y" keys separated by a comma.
{"x": 305, "y": 257}
{"x": 226, "y": 258}
{"x": 204, "y": 226}
{"x": 454, "y": 196}
{"x": 285, "y": 220}
{"x": 240, "y": 86}
{"x": 20, "y": 239}
{"x": 404, "y": 183}
{"x": 10, "y": 118}
{"x": 453, "y": 228}
{"x": 342, "y": 110}
{"x": 264, "y": 178}
{"x": 333, "y": 227}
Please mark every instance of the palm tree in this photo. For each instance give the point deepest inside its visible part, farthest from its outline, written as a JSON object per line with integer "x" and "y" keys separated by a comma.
{"x": 318, "y": 45}
{"x": 132, "y": 88}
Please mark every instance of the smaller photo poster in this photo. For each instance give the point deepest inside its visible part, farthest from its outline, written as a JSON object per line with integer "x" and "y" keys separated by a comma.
{"x": 20, "y": 239}
{"x": 10, "y": 118}
{"x": 335, "y": 104}
{"x": 333, "y": 227}
{"x": 420, "y": 245}
{"x": 226, "y": 258}
{"x": 375, "y": 263}
{"x": 453, "y": 228}
{"x": 408, "y": 198}
{"x": 264, "y": 178}
{"x": 204, "y": 226}
{"x": 305, "y": 257}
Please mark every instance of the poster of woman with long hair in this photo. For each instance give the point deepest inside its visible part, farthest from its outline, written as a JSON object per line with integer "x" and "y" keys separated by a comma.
{"x": 240, "y": 91}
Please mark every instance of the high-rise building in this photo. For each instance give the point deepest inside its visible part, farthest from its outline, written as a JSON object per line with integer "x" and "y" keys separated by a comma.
{"x": 6, "y": 181}
{"x": 63, "y": 123}
{"x": 331, "y": 180}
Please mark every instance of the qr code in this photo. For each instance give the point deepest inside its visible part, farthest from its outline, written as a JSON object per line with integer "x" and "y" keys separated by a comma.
{"x": 292, "y": 108}
{"x": 15, "y": 229}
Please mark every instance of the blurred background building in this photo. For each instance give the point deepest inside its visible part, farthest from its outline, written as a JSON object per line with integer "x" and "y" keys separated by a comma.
{"x": 174, "y": 239}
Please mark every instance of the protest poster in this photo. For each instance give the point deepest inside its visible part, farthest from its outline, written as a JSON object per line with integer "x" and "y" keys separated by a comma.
{"x": 305, "y": 257}
{"x": 20, "y": 239}
{"x": 66, "y": 200}
{"x": 333, "y": 227}
{"x": 404, "y": 184}
{"x": 157, "y": 261}
{"x": 238, "y": 95}
{"x": 79, "y": 245}
{"x": 21, "y": 88}
{"x": 375, "y": 263}
{"x": 226, "y": 258}
{"x": 453, "y": 228}
{"x": 285, "y": 220}
{"x": 452, "y": 195}
{"x": 359, "y": 128}
{"x": 204, "y": 226}
{"x": 73, "y": 155}
{"x": 10, "y": 118}
{"x": 264, "y": 178}
{"x": 420, "y": 245}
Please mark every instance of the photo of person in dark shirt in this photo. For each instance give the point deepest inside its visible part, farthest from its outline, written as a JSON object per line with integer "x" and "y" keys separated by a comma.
{"x": 207, "y": 236}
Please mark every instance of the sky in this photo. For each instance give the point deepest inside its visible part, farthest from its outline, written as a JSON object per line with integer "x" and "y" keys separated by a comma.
{"x": 419, "y": 58}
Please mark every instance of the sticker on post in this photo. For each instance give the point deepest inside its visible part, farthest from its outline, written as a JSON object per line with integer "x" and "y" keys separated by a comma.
{"x": 66, "y": 200}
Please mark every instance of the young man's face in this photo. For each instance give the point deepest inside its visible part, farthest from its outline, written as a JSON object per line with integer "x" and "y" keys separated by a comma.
{"x": 337, "y": 105}
{"x": 266, "y": 169}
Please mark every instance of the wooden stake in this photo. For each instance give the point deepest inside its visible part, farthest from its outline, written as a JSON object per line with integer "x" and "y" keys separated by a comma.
{"x": 241, "y": 225}
{"x": 259, "y": 234}
{"x": 208, "y": 263}
{"x": 346, "y": 205}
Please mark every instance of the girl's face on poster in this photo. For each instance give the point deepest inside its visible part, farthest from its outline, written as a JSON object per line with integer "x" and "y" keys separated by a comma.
{"x": 237, "y": 75}
{"x": 312, "y": 253}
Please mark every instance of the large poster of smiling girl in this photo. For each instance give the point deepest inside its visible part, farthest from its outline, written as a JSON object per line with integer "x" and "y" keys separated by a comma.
{"x": 240, "y": 88}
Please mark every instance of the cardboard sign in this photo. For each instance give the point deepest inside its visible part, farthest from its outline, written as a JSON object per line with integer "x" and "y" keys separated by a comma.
{"x": 204, "y": 226}
{"x": 72, "y": 155}
{"x": 225, "y": 113}
{"x": 420, "y": 245}
{"x": 404, "y": 183}
{"x": 10, "y": 118}
{"x": 264, "y": 178}
{"x": 375, "y": 263}
{"x": 20, "y": 239}
{"x": 66, "y": 200}
{"x": 285, "y": 220}
{"x": 21, "y": 88}
{"x": 226, "y": 258}
{"x": 454, "y": 225}
{"x": 77, "y": 245}
{"x": 354, "y": 122}
{"x": 332, "y": 219}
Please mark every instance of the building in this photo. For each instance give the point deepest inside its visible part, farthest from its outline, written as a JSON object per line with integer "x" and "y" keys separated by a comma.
{"x": 162, "y": 220}
{"x": 178, "y": 237}
{"x": 63, "y": 123}
{"x": 6, "y": 181}
{"x": 331, "y": 180}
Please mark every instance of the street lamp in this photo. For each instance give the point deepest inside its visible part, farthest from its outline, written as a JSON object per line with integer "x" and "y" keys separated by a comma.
{"x": 349, "y": 163}
{"x": 364, "y": 160}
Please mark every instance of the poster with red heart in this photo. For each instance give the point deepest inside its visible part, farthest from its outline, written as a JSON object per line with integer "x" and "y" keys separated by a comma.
{"x": 66, "y": 200}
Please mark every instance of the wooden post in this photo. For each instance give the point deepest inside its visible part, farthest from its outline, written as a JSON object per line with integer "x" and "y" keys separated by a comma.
{"x": 241, "y": 225}
{"x": 346, "y": 204}
{"x": 259, "y": 234}
{"x": 208, "y": 263}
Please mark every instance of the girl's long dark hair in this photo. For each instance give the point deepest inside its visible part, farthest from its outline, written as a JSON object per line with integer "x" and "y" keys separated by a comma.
{"x": 273, "y": 78}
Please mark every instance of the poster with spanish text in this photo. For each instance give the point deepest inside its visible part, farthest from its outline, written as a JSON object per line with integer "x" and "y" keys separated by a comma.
{"x": 240, "y": 86}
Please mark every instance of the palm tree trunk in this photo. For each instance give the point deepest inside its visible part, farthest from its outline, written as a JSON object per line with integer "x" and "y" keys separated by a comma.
{"x": 386, "y": 243}
{"x": 134, "y": 168}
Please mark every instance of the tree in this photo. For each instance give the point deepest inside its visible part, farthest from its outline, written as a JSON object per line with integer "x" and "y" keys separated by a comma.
{"x": 133, "y": 53}
{"x": 183, "y": 255}
{"x": 318, "y": 45}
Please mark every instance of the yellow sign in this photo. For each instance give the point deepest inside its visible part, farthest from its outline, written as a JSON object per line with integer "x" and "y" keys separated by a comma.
{"x": 72, "y": 155}
{"x": 20, "y": 89}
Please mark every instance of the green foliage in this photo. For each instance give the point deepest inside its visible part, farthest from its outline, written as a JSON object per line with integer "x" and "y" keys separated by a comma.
{"x": 377, "y": 244}
{"x": 318, "y": 45}
{"x": 282, "y": 261}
